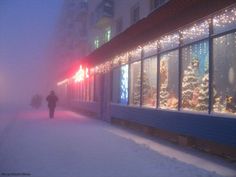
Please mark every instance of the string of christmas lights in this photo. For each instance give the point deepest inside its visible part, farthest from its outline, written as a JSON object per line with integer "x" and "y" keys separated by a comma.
{"x": 194, "y": 32}
{"x": 225, "y": 18}
{"x": 169, "y": 41}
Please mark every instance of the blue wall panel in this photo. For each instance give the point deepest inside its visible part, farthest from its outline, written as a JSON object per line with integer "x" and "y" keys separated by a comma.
{"x": 209, "y": 127}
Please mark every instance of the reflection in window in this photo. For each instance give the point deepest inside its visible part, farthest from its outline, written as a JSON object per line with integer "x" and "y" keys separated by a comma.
{"x": 169, "y": 70}
{"x": 224, "y": 91}
{"x": 149, "y": 84}
{"x": 124, "y": 84}
{"x": 135, "y": 85}
{"x": 195, "y": 77}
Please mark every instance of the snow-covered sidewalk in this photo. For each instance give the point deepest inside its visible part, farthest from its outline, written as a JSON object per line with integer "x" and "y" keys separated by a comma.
{"x": 72, "y": 145}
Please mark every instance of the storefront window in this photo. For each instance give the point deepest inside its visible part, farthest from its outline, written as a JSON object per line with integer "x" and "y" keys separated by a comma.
{"x": 124, "y": 84}
{"x": 195, "y": 77}
{"x": 224, "y": 81}
{"x": 149, "y": 84}
{"x": 116, "y": 85}
{"x": 169, "y": 80}
{"x": 135, "y": 83}
{"x": 225, "y": 21}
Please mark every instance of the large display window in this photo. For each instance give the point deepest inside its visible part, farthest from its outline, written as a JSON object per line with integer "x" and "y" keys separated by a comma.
{"x": 115, "y": 85}
{"x": 149, "y": 84}
{"x": 169, "y": 80}
{"x": 120, "y": 84}
{"x": 124, "y": 82}
{"x": 224, "y": 79}
{"x": 195, "y": 77}
{"x": 135, "y": 83}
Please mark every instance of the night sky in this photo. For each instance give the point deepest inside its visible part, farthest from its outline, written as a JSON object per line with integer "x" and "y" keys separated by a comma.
{"x": 26, "y": 36}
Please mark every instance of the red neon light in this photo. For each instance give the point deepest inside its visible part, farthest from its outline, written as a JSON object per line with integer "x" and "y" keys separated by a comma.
{"x": 81, "y": 74}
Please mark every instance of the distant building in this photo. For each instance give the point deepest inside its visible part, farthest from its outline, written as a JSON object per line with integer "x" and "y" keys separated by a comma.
{"x": 86, "y": 25}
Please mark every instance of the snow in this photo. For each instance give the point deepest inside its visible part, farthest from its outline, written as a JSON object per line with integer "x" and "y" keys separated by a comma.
{"x": 72, "y": 145}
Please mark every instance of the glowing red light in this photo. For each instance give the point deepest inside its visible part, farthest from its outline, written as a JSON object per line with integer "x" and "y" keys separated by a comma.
{"x": 81, "y": 74}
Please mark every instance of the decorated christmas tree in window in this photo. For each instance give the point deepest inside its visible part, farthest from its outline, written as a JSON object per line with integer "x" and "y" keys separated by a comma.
{"x": 190, "y": 85}
{"x": 136, "y": 91}
{"x": 163, "y": 84}
{"x": 163, "y": 95}
{"x": 203, "y": 96}
{"x": 146, "y": 86}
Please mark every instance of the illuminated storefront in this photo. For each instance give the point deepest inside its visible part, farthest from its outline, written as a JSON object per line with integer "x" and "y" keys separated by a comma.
{"x": 183, "y": 81}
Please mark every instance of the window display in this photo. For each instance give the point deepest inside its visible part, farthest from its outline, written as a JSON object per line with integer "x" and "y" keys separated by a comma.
{"x": 116, "y": 85}
{"x": 135, "y": 83}
{"x": 124, "y": 84}
{"x": 169, "y": 80}
{"x": 149, "y": 84}
{"x": 195, "y": 76}
{"x": 224, "y": 90}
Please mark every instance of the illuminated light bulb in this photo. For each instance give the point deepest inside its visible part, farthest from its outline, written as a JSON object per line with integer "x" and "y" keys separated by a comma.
{"x": 79, "y": 75}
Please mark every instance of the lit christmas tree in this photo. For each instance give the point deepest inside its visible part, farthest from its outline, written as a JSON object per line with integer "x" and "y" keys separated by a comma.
{"x": 203, "y": 94}
{"x": 189, "y": 83}
{"x": 146, "y": 87}
{"x": 164, "y": 95}
{"x": 218, "y": 106}
{"x": 136, "y": 91}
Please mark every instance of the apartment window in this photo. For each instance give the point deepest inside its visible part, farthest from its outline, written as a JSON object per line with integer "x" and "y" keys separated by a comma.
{"x": 96, "y": 43}
{"x": 107, "y": 35}
{"x": 156, "y": 3}
{"x": 119, "y": 25}
{"x": 135, "y": 13}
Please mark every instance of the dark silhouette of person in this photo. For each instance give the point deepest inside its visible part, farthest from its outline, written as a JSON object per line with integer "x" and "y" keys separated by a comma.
{"x": 36, "y": 101}
{"x": 52, "y": 100}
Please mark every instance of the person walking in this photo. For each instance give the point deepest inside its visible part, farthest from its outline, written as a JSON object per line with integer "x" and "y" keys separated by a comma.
{"x": 52, "y": 100}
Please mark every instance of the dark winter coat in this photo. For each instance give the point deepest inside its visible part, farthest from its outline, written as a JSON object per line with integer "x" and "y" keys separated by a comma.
{"x": 52, "y": 99}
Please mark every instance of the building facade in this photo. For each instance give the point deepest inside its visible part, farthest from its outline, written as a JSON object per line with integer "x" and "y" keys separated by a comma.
{"x": 172, "y": 72}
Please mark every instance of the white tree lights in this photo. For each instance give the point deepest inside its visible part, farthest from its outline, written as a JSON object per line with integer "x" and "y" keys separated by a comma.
{"x": 196, "y": 31}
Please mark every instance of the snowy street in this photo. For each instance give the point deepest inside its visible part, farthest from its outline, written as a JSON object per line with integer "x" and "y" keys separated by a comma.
{"x": 72, "y": 145}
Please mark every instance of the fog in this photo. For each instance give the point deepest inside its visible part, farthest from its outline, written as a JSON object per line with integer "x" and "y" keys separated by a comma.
{"x": 26, "y": 36}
